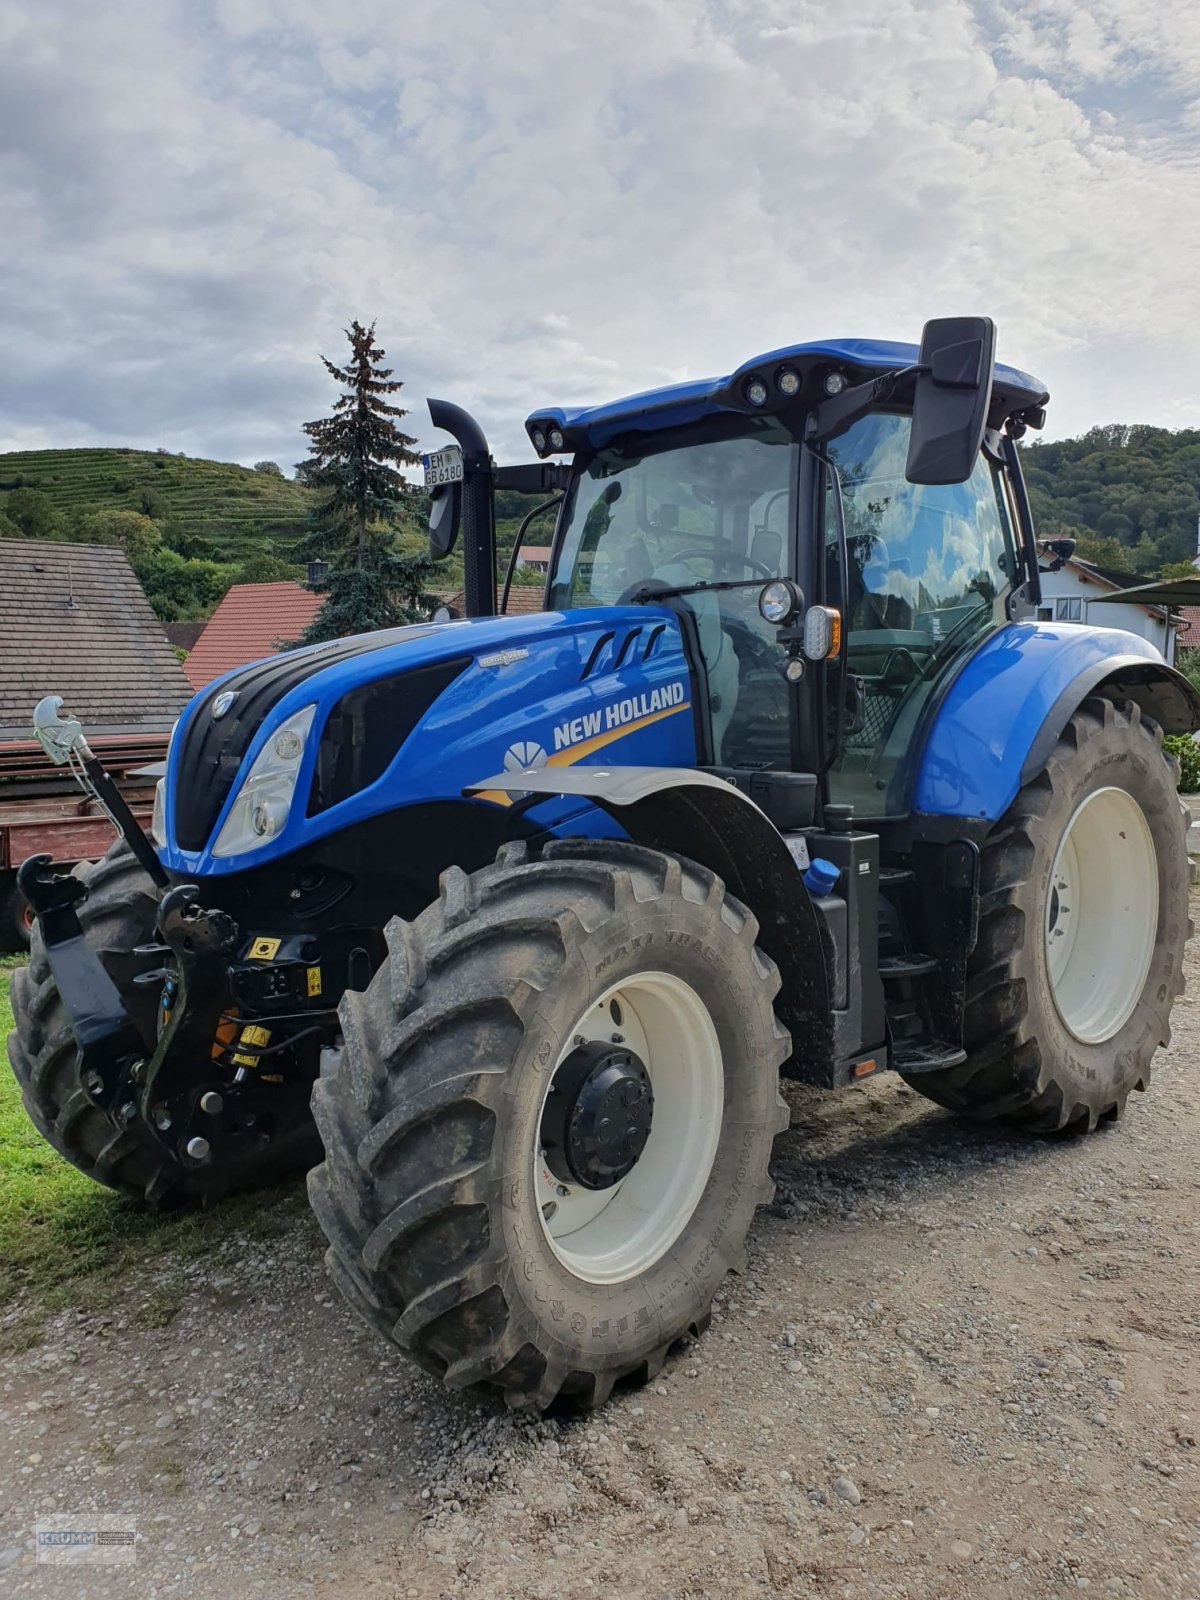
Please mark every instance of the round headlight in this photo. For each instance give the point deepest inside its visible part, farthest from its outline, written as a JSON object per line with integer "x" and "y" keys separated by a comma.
{"x": 779, "y": 601}
{"x": 539, "y": 441}
{"x": 267, "y": 818}
{"x": 556, "y": 439}
{"x": 794, "y": 669}
{"x": 788, "y": 381}
{"x": 835, "y": 382}
{"x": 756, "y": 392}
{"x": 288, "y": 745}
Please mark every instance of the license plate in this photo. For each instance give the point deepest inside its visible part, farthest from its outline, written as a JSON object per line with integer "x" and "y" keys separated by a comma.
{"x": 443, "y": 466}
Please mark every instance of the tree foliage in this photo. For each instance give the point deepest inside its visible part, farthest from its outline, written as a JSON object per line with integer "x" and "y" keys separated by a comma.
{"x": 355, "y": 462}
{"x": 1135, "y": 485}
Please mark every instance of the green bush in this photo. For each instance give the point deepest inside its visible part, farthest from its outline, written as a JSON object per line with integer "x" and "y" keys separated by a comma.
{"x": 1187, "y": 752}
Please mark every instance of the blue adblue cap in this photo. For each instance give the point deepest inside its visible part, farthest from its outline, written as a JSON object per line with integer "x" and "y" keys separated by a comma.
{"x": 821, "y": 877}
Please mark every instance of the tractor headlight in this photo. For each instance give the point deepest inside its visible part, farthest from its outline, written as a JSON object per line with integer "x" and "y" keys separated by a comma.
{"x": 260, "y": 811}
{"x": 780, "y": 602}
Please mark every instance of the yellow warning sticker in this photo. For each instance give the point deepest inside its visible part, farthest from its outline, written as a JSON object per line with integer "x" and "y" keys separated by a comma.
{"x": 252, "y": 1034}
{"x": 265, "y": 949}
{"x": 314, "y": 982}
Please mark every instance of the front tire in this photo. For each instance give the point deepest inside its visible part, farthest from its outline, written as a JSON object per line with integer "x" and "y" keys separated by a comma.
{"x": 446, "y": 1225}
{"x": 1083, "y": 922}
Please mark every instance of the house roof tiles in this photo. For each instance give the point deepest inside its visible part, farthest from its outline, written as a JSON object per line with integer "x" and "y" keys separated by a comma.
{"x": 74, "y": 622}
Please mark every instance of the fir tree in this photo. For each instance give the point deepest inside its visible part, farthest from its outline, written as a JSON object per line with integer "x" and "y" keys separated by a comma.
{"x": 354, "y": 460}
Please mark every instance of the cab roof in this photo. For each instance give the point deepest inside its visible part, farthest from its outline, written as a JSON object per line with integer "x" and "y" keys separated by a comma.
{"x": 680, "y": 403}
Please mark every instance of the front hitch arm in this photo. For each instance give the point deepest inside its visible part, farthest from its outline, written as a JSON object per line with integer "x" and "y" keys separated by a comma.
{"x": 110, "y": 1046}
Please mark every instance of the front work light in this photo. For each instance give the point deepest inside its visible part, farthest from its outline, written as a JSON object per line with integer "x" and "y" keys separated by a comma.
{"x": 789, "y": 382}
{"x": 260, "y": 809}
{"x": 539, "y": 441}
{"x": 756, "y": 392}
{"x": 835, "y": 382}
{"x": 556, "y": 439}
{"x": 822, "y": 633}
{"x": 780, "y": 602}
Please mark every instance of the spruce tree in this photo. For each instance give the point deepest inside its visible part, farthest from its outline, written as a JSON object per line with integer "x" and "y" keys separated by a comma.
{"x": 353, "y": 464}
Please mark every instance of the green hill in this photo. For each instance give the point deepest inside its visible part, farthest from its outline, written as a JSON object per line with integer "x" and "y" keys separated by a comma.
{"x": 1129, "y": 494}
{"x": 233, "y": 512}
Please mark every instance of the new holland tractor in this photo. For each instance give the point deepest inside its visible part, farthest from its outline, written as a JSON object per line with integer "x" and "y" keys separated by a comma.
{"x": 534, "y": 912}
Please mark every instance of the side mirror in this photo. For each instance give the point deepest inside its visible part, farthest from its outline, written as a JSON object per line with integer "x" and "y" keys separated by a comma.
{"x": 445, "y": 514}
{"x": 953, "y": 393}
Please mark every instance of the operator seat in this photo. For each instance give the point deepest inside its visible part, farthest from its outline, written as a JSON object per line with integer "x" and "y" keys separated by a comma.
{"x": 720, "y": 659}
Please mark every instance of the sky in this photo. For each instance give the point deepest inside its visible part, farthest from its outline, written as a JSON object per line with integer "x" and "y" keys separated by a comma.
{"x": 551, "y": 205}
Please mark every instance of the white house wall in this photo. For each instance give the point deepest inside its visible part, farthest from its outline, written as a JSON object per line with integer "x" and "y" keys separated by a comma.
{"x": 1069, "y": 585}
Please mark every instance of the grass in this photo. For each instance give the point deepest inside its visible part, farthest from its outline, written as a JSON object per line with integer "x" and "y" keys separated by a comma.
{"x": 235, "y": 510}
{"x": 67, "y": 1242}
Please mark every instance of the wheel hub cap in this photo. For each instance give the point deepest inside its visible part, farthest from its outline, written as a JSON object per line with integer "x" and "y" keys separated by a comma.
{"x": 598, "y": 1116}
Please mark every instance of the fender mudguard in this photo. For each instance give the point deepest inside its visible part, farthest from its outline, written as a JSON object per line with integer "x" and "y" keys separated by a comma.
{"x": 1004, "y": 712}
{"x": 695, "y": 814}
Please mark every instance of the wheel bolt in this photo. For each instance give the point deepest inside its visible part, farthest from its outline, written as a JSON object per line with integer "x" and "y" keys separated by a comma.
{"x": 197, "y": 1148}
{"x": 211, "y": 1102}
{"x": 93, "y": 1083}
{"x": 161, "y": 1118}
{"x": 127, "y": 1113}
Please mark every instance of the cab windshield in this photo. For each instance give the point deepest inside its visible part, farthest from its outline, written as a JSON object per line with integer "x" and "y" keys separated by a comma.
{"x": 714, "y": 511}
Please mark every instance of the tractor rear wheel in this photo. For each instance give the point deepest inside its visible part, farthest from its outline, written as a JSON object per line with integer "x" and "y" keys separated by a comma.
{"x": 1083, "y": 921}
{"x": 551, "y": 1122}
{"x": 117, "y": 915}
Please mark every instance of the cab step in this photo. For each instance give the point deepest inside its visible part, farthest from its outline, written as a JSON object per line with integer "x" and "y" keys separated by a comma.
{"x": 896, "y": 877}
{"x": 925, "y": 1055}
{"x": 907, "y": 966}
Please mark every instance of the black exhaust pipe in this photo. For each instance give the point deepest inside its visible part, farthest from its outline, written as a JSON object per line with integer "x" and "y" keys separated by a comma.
{"x": 479, "y": 515}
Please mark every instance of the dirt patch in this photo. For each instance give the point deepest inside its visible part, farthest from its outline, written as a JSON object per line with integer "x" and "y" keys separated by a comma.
{"x": 961, "y": 1364}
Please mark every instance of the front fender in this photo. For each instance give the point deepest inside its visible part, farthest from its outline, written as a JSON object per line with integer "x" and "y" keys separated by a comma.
{"x": 701, "y": 816}
{"x": 1007, "y": 707}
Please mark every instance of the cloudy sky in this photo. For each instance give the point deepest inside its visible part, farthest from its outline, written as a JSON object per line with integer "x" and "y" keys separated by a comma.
{"x": 552, "y": 204}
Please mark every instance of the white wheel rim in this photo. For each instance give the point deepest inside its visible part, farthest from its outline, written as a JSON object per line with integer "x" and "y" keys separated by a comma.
{"x": 1101, "y": 915}
{"x": 612, "y": 1235}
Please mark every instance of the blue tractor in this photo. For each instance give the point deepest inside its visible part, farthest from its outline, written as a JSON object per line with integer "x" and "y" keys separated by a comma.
{"x": 533, "y": 912}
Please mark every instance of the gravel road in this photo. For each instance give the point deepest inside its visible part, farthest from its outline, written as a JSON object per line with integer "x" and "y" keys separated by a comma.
{"x": 960, "y": 1365}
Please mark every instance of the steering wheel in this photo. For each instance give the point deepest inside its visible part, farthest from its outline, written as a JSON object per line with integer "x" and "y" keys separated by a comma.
{"x": 685, "y": 554}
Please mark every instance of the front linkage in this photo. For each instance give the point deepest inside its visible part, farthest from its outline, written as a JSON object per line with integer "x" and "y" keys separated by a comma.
{"x": 221, "y": 1078}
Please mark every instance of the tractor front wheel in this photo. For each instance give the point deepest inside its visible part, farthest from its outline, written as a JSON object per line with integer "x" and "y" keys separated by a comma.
{"x": 1083, "y": 921}
{"x": 550, "y": 1126}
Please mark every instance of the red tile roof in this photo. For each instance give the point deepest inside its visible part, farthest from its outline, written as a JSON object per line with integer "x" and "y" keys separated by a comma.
{"x": 253, "y": 620}
{"x": 1188, "y": 638}
{"x": 523, "y": 599}
{"x": 74, "y": 622}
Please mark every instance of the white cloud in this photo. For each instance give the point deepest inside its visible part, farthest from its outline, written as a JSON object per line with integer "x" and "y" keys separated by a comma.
{"x": 545, "y": 206}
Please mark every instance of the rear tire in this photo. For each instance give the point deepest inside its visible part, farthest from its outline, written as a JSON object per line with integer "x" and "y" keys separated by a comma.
{"x": 433, "y": 1195}
{"x": 117, "y": 915}
{"x": 1083, "y": 922}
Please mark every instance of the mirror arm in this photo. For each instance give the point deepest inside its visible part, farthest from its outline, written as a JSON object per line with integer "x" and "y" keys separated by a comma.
{"x": 836, "y": 414}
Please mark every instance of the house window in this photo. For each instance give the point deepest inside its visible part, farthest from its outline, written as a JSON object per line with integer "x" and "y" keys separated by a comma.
{"x": 1045, "y": 613}
{"x": 1068, "y": 610}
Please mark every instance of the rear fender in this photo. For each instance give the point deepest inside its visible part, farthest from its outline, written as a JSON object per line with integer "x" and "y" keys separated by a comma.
{"x": 1007, "y": 707}
{"x": 694, "y": 814}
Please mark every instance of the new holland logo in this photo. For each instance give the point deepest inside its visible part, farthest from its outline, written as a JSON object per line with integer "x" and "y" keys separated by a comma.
{"x": 618, "y": 715}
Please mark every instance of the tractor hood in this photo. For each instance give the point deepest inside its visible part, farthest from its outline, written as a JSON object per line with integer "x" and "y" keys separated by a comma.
{"x": 277, "y": 754}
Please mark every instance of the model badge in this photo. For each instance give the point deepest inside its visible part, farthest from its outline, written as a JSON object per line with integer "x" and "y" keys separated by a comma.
{"x": 503, "y": 658}
{"x": 222, "y": 703}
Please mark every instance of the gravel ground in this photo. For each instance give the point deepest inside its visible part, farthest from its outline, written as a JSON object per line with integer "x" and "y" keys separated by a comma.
{"x": 960, "y": 1365}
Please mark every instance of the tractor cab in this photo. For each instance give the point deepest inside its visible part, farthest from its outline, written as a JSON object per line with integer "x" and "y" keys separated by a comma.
{"x": 878, "y": 481}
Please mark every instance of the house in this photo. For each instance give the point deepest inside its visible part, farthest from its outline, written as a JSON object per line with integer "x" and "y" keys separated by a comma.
{"x": 253, "y": 620}
{"x": 534, "y": 556}
{"x": 75, "y": 622}
{"x": 523, "y": 599}
{"x": 1067, "y": 596}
